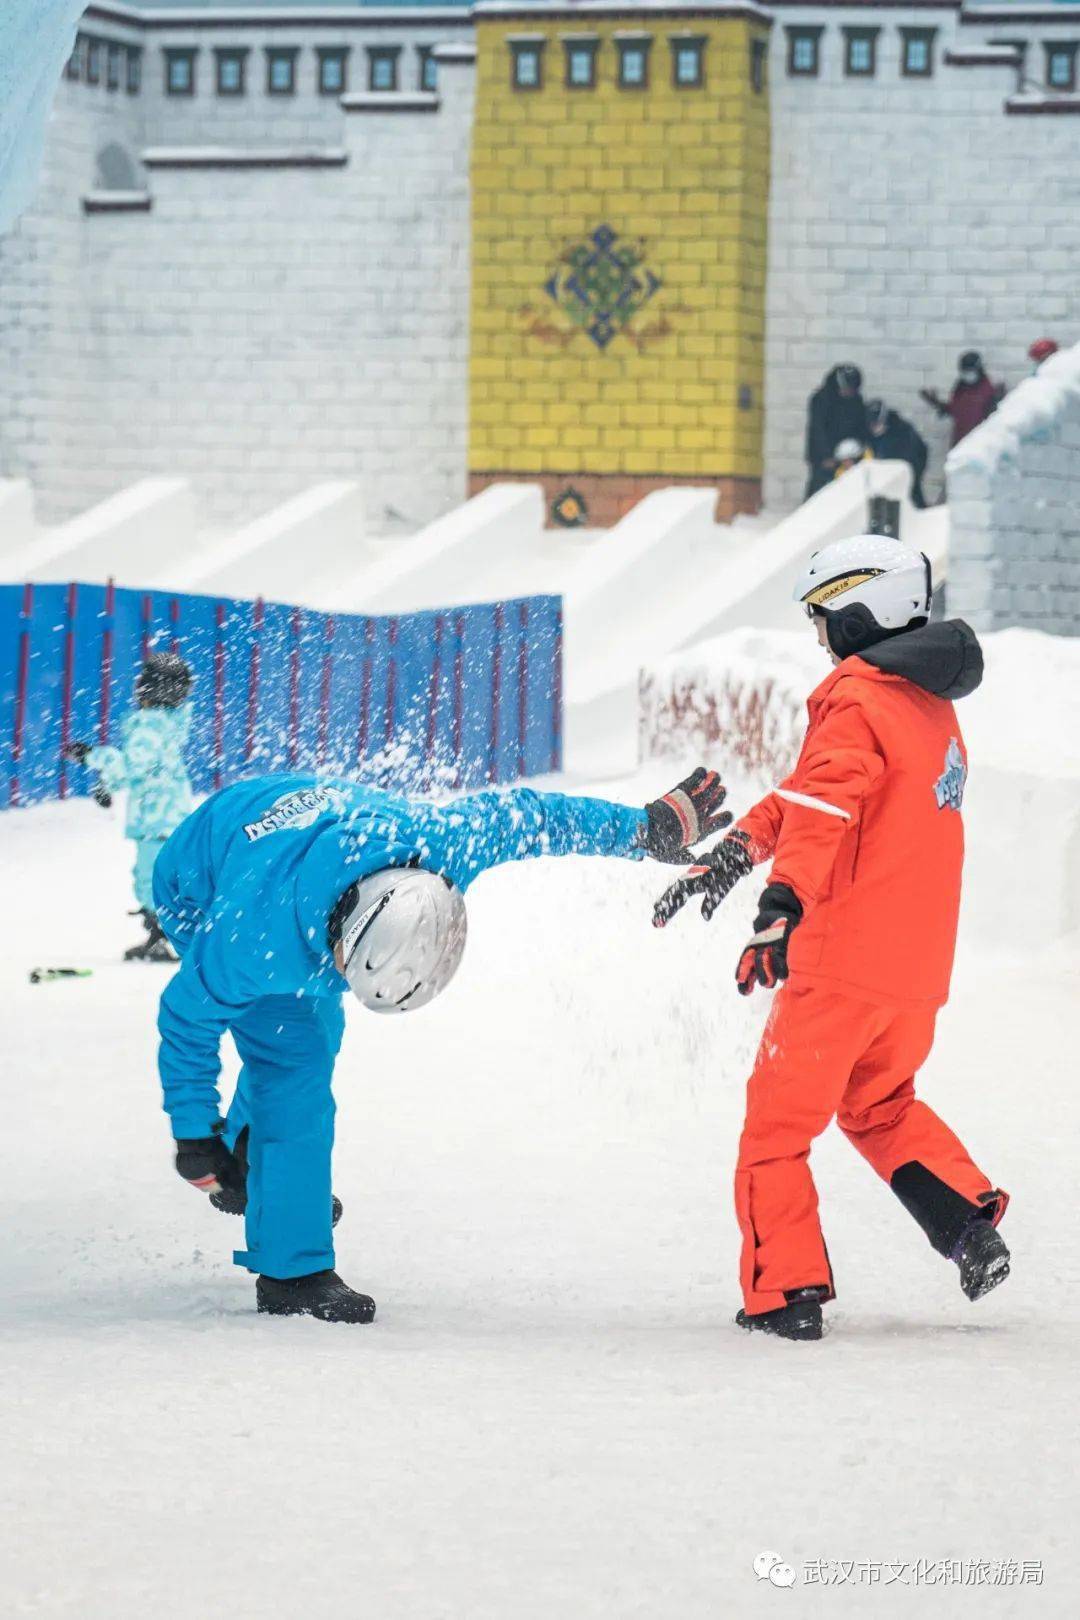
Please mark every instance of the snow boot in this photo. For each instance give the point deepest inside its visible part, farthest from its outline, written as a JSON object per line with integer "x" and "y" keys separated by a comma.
{"x": 800, "y": 1318}
{"x": 155, "y": 947}
{"x": 321, "y": 1294}
{"x": 983, "y": 1259}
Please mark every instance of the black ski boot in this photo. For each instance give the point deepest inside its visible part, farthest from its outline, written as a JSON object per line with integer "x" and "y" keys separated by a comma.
{"x": 983, "y": 1259}
{"x": 155, "y": 947}
{"x": 321, "y": 1294}
{"x": 800, "y": 1318}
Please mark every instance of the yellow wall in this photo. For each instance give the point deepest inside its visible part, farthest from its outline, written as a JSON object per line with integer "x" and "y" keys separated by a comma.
{"x": 685, "y": 171}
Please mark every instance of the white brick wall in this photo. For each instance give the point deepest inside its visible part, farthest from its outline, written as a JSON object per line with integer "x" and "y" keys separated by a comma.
{"x": 910, "y": 219}
{"x": 1014, "y": 508}
{"x": 260, "y": 329}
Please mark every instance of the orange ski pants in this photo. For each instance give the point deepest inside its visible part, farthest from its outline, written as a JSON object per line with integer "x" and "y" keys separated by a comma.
{"x": 823, "y": 1054}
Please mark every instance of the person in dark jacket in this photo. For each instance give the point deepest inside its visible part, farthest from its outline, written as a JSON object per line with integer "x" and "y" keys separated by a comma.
{"x": 836, "y": 412}
{"x": 893, "y": 438}
{"x": 974, "y": 397}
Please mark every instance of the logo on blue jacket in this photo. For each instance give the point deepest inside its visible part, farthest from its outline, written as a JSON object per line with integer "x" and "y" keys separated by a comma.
{"x": 949, "y": 787}
{"x": 294, "y": 811}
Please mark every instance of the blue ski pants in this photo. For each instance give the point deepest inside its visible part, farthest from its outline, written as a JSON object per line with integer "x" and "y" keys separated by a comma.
{"x": 287, "y": 1045}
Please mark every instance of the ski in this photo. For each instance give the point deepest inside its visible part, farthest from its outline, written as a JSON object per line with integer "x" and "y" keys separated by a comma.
{"x": 48, "y": 975}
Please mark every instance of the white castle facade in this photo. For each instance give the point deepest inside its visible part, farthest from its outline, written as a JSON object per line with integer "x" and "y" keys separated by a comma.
{"x": 248, "y": 262}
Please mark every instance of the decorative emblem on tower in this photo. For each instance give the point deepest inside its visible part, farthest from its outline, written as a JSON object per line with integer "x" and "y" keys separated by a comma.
{"x": 600, "y": 283}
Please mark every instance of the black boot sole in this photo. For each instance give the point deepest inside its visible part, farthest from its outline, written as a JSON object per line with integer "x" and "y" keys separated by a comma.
{"x": 358, "y": 1316}
{"x": 790, "y": 1322}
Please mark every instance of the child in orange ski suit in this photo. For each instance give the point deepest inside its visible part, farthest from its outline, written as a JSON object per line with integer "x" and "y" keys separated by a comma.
{"x": 866, "y": 837}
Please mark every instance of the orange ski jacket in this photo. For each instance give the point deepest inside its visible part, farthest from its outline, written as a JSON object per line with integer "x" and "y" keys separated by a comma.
{"x": 867, "y": 829}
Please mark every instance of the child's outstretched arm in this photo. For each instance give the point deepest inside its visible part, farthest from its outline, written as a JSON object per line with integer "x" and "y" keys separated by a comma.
{"x": 489, "y": 829}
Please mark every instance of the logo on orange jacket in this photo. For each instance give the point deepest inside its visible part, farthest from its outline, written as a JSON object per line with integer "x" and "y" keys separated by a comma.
{"x": 949, "y": 787}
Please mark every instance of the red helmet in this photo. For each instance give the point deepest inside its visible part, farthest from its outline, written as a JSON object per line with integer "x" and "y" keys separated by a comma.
{"x": 1042, "y": 349}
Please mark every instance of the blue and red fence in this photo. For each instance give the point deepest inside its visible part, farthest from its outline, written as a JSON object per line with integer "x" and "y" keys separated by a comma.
{"x": 420, "y": 701}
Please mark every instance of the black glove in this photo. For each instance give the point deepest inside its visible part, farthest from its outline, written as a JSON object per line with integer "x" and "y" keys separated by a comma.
{"x": 77, "y": 751}
{"x": 686, "y": 815}
{"x": 764, "y": 957}
{"x": 102, "y": 796}
{"x": 713, "y": 877}
{"x": 206, "y": 1163}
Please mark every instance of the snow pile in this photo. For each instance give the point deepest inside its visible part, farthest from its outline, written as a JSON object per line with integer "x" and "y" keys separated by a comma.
{"x": 36, "y": 39}
{"x": 740, "y": 699}
{"x": 739, "y": 702}
{"x": 1034, "y": 411}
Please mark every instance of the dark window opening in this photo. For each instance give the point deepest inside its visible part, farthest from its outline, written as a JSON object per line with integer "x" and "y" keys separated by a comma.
{"x": 112, "y": 68}
{"x": 231, "y": 71}
{"x": 74, "y": 69}
{"x": 633, "y": 63}
{"x": 581, "y": 63}
{"x": 281, "y": 70}
{"x": 93, "y": 61}
{"x": 429, "y": 68}
{"x": 804, "y": 52}
{"x": 687, "y": 63}
{"x": 134, "y": 71}
{"x": 333, "y": 70}
{"x": 527, "y": 65}
{"x": 917, "y": 52}
{"x": 759, "y": 52}
{"x": 179, "y": 71}
{"x": 383, "y": 67}
{"x": 860, "y": 52}
{"x": 1060, "y": 66}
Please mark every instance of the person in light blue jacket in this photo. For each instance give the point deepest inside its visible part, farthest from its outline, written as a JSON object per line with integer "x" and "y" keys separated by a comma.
{"x": 149, "y": 763}
{"x": 278, "y": 895}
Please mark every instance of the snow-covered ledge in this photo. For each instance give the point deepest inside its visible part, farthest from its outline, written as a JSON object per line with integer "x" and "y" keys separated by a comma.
{"x": 117, "y": 202}
{"x": 245, "y": 157}
{"x": 1014, "y": 506}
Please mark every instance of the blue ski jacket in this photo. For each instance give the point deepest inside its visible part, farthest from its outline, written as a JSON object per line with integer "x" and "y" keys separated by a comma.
{"x": 149, "y": 763}
{"x": 245, "y": 887}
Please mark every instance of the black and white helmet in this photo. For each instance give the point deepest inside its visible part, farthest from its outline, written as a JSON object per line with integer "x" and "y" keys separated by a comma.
{"x": 867, "y": 588}
{"x": 402, "y": 935}
{"x": 163, "y": 682}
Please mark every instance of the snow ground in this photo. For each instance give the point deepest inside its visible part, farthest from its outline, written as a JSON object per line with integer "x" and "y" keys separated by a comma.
{"x": 553, "y": 1414}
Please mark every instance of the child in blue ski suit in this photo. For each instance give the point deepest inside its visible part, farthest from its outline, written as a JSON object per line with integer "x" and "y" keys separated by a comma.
{"x": 246, "y": 891}
{"x": 149, "y": 763}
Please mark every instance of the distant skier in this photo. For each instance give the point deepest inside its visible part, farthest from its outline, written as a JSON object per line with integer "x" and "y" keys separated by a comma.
{"x": 149, "y": 763}
{"x": 281, "y": 893}
{"x": 835, "y": 412}
{"x": 893, "y": 438}
{"x": 860, "y": 913}
{"x": 973, "y": 398}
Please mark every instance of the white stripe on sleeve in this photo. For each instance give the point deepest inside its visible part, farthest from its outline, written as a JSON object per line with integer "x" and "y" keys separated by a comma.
{"x": 808, "y": 802}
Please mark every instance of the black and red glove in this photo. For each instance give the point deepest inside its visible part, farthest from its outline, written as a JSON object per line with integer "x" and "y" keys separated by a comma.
{"x": 686, "y": 815}
{"x": 77, "y": 751}
{"x": 206, "y": 1164}
{"x": 713, "y": 877}
{"x": 764, "y": 957}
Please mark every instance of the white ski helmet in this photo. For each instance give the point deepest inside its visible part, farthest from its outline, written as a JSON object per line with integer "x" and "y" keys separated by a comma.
{"x": 867, "y": 587}
{"x": 402, "y": 936}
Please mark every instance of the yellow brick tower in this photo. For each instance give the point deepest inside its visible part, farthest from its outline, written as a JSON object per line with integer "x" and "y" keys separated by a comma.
{"x": 620, "y": 176}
